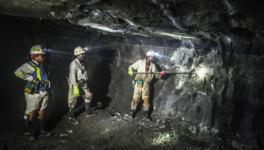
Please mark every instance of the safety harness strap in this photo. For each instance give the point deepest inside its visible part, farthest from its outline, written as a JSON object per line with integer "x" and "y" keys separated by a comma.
{"x": 37, "y": 69}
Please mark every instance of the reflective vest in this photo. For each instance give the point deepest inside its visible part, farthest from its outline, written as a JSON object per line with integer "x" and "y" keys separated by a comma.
{"x": 41, "y": 75}
{"x": 39, "y": 72}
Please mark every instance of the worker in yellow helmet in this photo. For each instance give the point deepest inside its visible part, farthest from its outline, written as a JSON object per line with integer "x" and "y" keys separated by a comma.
{"x": 36, "y": 91}
{"x": 145, "y": 71}
{"x": 78, "y": 84}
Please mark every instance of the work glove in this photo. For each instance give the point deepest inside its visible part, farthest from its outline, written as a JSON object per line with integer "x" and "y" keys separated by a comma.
{"x": 130, "y": 72}
{"x": 30, "y": 78}
{"x": 76, "y": 91}
{"x": 162, "y": 74}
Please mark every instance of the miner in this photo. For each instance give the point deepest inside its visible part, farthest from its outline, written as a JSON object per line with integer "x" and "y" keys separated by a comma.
{"x": 145, "y": 72}
{"x": 77, "y": 82}
{"x": 36, "y": 92}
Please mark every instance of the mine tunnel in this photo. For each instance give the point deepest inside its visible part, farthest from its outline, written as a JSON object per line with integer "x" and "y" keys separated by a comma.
{"x": 210, "y": 98}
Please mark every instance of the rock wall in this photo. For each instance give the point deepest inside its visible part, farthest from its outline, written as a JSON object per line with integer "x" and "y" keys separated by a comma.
{"x": 227, "y": 100}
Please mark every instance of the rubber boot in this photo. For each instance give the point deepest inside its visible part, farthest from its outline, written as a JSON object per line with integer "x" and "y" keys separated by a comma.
{"x": 147, "y": 116}
{"x": 71, "y": 113}
{"x": 133, "y": 113}
{"x": 72, "y": 117}
{"x": 32, "y": 127}
{"x": 43, "y": 130}
{"x": 32, "y": 136}
{"x": 27, "y": 130}
{"x": 88, "y": 109}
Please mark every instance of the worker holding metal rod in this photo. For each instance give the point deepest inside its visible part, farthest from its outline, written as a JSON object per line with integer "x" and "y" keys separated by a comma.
{"x": 145, "y": 71}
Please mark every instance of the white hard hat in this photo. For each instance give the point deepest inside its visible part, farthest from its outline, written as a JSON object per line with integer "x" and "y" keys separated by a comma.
{"x": 79, "y": 50}
{"x": 37, "y": 49}
{"x": 150, "y": 53}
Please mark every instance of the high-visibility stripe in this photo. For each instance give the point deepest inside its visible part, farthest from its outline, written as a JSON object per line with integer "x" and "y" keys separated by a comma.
{"x": 37, "y": 69}
{"x": 38, "y": 73}
{"x": 20, "y": 74}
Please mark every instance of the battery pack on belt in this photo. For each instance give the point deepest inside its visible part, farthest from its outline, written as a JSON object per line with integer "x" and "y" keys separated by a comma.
{"x": 82, "y": 83}
{"x": 29, "y": 88}
{"x": 139, "y": 83}
{"x": 36, "y": 87}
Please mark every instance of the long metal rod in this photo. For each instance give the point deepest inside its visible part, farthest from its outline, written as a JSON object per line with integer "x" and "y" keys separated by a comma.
{"x": 166, "y": 72}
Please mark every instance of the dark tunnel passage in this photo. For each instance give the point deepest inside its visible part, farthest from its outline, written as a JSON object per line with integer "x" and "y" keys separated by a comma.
{"x": 101, "y": 75}
{"x": 211, "y": 96}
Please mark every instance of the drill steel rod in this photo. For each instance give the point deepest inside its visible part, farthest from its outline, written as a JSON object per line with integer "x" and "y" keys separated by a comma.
{"x": 166, "y": 73}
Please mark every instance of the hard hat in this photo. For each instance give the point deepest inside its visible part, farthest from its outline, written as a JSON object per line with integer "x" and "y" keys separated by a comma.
{"x": 37, "y": 49}
{"x": 79, "y": 50}
{"x": 150, "y": 53}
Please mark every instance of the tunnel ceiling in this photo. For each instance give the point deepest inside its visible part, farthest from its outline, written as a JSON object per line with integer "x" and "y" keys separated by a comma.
{"x": 176, "y": 19}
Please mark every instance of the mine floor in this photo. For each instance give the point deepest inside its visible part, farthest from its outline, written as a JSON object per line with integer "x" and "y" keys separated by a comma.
{"x": 109, "y": 130}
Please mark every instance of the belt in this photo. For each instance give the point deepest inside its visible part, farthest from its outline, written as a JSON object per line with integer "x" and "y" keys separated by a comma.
{"x": 139, "y": 83}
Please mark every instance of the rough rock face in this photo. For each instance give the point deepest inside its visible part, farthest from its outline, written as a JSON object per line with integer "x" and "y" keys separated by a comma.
{"x": 146, "y": 18}
{"x": 219, "y": 42}
{"x": 221, "y": 101}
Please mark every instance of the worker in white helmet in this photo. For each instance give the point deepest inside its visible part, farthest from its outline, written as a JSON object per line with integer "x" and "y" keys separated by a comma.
{"x": 78, "y": 84}
{"x": 145, "y": 71}
{"x": 36, "y": 91}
